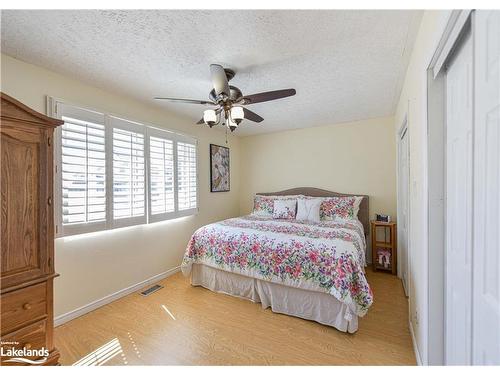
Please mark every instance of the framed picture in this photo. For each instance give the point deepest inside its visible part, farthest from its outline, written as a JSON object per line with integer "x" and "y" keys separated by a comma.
{"x": 219, "y": 168}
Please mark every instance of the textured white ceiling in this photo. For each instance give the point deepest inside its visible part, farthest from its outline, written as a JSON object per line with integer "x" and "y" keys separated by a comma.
{"x": 345, "y": 65}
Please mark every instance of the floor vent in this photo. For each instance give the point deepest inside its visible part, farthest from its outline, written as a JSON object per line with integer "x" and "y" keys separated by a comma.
{"x": 150, "y": 290}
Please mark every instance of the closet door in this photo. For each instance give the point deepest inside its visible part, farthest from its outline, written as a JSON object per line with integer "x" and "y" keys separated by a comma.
{"x": 486, "y": 325}
{"x": 459, "y": 205}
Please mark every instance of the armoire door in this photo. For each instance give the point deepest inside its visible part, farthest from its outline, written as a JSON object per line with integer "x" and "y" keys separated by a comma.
{"x": 458, "y": 279}
{"x": 24, "y": 199}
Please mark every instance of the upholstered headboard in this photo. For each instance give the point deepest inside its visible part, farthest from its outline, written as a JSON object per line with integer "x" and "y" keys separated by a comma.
{"x": 363, "y": 214}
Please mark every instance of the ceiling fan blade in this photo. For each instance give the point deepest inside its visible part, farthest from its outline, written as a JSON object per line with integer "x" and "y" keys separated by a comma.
{"x": 252, "y": 116}
{"x": 188, "y": 101}
{"x": 267, "y": 96}
{"x": 219, "y": 79}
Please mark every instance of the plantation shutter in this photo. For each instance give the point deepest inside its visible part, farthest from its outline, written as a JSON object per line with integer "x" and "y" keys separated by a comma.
{"x": 186, "y": 176}
{"x": 111, "y": 172}
{"x": 82, "y": 170}
{"x": 129, "y": 173}
{"x": 161, "y": 175}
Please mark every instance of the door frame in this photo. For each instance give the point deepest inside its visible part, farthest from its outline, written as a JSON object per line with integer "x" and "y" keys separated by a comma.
{"x": 404, "y": 128}
{"x": 436, "y": 183}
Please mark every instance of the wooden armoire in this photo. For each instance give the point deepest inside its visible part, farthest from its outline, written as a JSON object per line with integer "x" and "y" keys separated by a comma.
{"x": 27, "y": 236}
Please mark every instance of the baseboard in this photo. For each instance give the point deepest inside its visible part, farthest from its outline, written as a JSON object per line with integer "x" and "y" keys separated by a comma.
{"x": 66, "y": 317}
{"x": 415, "y": 347}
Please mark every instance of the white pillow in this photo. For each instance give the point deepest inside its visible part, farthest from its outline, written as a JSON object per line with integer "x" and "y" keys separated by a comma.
{"x": 308, "y": 209}
{"x": 357, "y": 203}
{"x": 284, "y": 208}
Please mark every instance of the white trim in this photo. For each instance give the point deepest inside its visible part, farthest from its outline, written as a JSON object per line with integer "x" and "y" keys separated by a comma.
{"x": 414, "y": 342}
{"x": 66, "y": 317}
{"x": 108, "y": 134}
{"x": 172, "y": 215}
{"x": 454, "y": 27}
{"x": 404, "y": 129}
{"x": 176, "y": 178}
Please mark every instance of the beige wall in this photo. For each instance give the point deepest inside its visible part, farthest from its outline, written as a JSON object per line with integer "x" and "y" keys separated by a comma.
{"x": 95, "y": 265}
{"x": 413, "y": 103}
{"x": 357, "y": 157}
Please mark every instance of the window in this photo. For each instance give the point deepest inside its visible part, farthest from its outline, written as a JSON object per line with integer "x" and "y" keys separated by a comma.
{"x": 172, "y": 175}
{"x": 129, "y": 172}
{"x": 186, "y": 167}
{"x": 81, "y": 170}
{"x": 111, "y": 172}
{"x": 161, "y": 156}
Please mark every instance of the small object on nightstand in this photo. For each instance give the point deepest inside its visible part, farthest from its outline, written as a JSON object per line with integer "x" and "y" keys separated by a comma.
{"x": 382, "y": 218}
{"x": 384, "y": 246}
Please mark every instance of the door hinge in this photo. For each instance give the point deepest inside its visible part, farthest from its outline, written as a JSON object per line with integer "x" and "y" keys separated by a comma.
{"x": 49, "y": 201}
{"x": 49, "y": 141}
{"x": 50, "y": 262}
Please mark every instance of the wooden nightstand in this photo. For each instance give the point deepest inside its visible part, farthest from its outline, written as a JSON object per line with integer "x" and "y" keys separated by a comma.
{"x": 384, "y": 246}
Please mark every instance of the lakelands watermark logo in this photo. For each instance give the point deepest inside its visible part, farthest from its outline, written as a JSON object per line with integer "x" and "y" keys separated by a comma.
{"x": 20, "y": 355}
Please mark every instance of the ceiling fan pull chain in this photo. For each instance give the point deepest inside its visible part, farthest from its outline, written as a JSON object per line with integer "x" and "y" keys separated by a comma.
{"x": 226, "y": 135}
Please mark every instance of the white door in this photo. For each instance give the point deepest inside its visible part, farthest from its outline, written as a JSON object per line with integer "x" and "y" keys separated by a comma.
{"x": 459, "y": 102}
{"x": 403, "y": 174}
{"x": 486, "y": 322}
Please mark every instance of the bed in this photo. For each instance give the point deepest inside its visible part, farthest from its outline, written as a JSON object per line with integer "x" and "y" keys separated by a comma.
{"x": 314, "y": 271}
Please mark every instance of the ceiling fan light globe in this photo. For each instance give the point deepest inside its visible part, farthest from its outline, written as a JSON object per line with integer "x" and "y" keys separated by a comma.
{"x": 210, "y": 117}
{"x": 237, "y": 113}
{"x": 231, "y": 123}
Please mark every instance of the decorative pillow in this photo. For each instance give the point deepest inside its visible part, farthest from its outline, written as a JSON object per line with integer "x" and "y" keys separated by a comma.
{"x": 308, "y": 209}
{"x": 263, "y": 205}
{"x": 284, "y": 208}
{"x": 340, "y": 208}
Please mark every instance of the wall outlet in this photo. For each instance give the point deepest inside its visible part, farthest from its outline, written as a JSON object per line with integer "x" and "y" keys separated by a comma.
{"x": 415, "y": 319}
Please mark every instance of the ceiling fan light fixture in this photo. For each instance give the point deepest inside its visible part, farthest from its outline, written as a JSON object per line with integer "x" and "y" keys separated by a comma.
{"x": 229, "y": 99}
{"x": 237, "y": 114}
{"x": 232, "y": 125}
{"x": 210, "y": 117}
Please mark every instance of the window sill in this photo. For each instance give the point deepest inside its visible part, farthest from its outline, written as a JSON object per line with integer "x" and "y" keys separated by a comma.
{"x": 78, "y": 230}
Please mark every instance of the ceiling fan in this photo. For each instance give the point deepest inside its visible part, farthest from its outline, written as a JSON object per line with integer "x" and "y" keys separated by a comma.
{"x": 229, "y": 100}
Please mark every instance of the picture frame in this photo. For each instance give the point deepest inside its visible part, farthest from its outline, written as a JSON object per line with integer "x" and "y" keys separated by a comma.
{"x": 220, "y": 173}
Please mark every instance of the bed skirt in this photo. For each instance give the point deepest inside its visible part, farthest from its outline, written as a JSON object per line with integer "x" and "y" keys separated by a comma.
{"x": 320, "y": 307}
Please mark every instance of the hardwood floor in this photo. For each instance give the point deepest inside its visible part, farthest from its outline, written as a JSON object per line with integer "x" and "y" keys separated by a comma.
{"x": 185, "y": 325}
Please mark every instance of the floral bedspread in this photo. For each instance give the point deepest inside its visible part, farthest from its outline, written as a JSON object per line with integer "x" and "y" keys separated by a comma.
{"x": 328, "y": 257}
